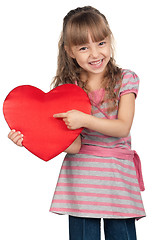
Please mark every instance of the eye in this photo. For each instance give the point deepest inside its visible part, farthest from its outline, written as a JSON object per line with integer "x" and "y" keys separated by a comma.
{"x": 83, "y": 49}
{"x": 102, "y": 43}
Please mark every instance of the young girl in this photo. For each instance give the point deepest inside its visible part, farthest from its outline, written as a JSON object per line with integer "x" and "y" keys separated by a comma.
{"x": 100, "y": 175}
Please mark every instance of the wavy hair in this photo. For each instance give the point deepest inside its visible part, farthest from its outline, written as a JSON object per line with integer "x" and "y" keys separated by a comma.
{"x": 75, "y": 32}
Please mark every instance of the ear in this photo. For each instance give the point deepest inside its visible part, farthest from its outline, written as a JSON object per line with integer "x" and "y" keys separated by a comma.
{"x": 69, "y": 51}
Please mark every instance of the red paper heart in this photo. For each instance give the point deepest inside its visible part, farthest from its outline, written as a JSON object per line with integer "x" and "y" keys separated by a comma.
{"x": 30, "y": 110}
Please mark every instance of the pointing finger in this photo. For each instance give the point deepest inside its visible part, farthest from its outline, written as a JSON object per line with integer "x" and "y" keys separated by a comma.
{"x": 59, "y": 115}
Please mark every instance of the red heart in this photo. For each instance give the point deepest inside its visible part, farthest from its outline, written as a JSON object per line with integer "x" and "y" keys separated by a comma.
{"x": 30, "y": 110}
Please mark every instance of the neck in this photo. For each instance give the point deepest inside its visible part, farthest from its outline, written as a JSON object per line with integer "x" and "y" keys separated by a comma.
{"x": 94, "y": 81}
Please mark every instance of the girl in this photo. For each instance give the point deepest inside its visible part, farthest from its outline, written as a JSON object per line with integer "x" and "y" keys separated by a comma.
{"x": 100, "y": 175}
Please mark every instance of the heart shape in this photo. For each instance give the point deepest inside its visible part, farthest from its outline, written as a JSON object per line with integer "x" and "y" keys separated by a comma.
{"x": 30, "y": 111}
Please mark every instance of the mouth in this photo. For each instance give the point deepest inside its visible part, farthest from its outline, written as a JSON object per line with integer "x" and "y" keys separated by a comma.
{"x": 97, "y": 63}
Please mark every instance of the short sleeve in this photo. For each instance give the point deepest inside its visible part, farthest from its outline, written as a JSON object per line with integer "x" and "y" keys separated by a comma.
{"x": 130, "y": 83}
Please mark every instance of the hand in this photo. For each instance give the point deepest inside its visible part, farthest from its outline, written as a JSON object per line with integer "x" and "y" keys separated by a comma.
{"x": 16, "y": 137}
{"x": 73, "y": 119}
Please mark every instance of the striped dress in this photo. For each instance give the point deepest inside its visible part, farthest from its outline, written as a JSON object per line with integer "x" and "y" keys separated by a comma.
{"x": 104, "y": 179}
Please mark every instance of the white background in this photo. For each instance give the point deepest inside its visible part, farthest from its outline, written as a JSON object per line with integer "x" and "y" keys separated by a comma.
{"x": 28, "y": 52}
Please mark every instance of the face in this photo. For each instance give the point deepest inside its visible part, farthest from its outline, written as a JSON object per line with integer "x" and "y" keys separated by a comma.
{"x": 93, "y": 57}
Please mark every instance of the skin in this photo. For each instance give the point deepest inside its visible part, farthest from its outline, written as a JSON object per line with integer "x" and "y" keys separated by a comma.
{"x": 16, "y": 137}
{"x": 93, "y": 57}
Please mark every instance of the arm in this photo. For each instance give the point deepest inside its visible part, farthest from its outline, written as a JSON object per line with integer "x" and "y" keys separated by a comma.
{"x": 75, "y": 146}
{"x": 119, "y": 127}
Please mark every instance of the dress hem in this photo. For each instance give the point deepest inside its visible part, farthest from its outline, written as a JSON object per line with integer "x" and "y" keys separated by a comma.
{"x": 106, "y": 216}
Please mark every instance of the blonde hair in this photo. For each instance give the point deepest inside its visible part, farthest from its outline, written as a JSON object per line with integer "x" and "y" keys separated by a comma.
{"x": 76, "y": 25}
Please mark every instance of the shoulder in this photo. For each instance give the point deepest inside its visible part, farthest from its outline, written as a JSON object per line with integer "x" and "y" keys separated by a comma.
{"x": 130, "y": 82}
{"x": 129, "y": 74}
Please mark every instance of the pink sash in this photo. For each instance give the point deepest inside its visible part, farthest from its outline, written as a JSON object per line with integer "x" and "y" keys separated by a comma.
{"x": 118, "y": 153}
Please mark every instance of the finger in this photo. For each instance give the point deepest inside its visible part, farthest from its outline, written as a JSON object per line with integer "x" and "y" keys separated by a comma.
{"x": 66, "y": 121}
{"x": 19, "y": 142}
{"x": 10, "y": 133}
{"x": 17, "y": 139}
{"x": 59, "y": 115}
{"x": 69, "y": 127}
{"x": 14, "y": 134}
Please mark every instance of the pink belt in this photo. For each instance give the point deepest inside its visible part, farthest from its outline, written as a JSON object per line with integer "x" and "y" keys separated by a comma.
{"x": 118, "y": 153}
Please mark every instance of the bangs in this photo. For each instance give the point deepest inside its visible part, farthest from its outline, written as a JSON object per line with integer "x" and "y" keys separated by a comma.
{"x": 79, "y": 27}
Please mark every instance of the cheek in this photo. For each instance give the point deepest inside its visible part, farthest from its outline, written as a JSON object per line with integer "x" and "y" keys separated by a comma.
{"x": 108, "y": 52}
{"x": 80, "y": 61}
{"x": 107, "y": 56}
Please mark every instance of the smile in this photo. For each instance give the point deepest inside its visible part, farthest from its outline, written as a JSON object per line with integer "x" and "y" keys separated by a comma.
{"x": 96, "y": 64}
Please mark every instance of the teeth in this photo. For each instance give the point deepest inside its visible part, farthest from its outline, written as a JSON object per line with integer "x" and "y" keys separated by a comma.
{"x": 96, "y": 63}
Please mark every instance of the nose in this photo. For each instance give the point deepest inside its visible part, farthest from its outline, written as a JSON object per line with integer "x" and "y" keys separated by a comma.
{"x": 94, "y": 52}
